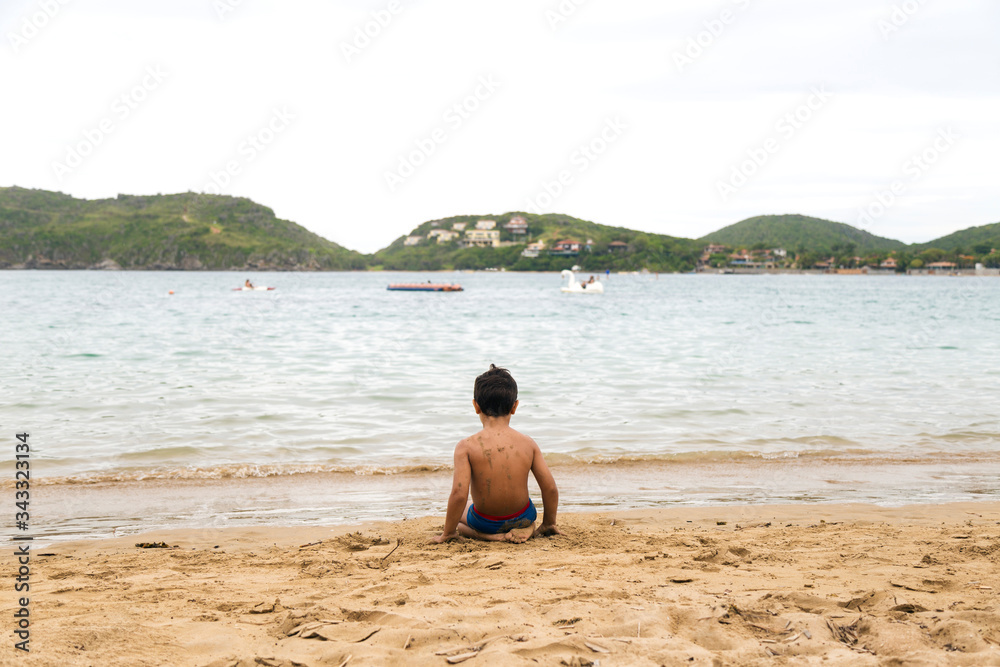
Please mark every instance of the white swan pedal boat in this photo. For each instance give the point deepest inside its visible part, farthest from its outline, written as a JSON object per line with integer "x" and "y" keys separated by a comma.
{"x": 575, "y": 286}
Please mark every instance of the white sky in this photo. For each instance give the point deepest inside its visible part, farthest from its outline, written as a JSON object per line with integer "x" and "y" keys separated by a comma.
{"x": 678, "y": 131}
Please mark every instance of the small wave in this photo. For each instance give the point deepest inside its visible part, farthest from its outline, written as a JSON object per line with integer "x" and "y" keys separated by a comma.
{"x": 555, "y": 459}
{"x": 178, "y": 451}
{"x": 677, "y": 457}
{"x": 232, "y": 471}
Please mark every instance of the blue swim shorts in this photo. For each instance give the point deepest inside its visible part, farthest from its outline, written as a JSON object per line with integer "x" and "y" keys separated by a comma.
{"x": 494, "y": 525}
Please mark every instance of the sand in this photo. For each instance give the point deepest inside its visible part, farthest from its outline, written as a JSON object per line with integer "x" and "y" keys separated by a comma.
{"x": 759, "y": 585}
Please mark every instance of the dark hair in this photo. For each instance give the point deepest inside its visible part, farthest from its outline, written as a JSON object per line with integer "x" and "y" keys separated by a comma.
{"x": 495, "y": 392}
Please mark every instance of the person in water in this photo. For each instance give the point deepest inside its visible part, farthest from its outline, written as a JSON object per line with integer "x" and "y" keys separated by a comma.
{"x": 493, "y": 465}
{"x": 247, "y": 283}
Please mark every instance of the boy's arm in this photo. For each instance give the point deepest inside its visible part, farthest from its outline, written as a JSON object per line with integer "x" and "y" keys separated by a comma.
{"x": 459, "y": 494}
{"x": 550, "y": 494}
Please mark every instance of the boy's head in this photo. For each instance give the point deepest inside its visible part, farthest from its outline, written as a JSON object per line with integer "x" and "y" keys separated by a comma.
{"x": 495, "y": 392}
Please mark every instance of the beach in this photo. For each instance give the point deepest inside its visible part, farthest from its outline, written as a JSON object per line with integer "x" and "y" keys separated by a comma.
{"x": 282, "y": 315}
{"x": 831, "y": 584}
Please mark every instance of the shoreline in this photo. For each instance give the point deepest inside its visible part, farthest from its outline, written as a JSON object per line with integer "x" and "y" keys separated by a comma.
{"x": 130, "y": 507}
{"x": 845, "y": 584}
{"x": 735, "y": 271}
{"x": 733, "y": 516}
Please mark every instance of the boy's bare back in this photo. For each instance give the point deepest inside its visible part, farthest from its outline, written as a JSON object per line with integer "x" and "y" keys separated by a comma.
{"x": 500, "y": 460}
{"x": 493, "y": 465}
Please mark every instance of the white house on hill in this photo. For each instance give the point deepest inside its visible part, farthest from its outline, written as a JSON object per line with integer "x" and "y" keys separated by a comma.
{"x": 443, "y": 235}
{"x": 517, "y": 225}
{"x": 482, "y": 238}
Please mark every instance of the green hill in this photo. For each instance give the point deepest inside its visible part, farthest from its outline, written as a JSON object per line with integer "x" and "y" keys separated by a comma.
{"x": 40, "y": 229}
{"x": 633, "y": 251}
{"x": 975, "y": 240}
{"x": 800, "y": 233}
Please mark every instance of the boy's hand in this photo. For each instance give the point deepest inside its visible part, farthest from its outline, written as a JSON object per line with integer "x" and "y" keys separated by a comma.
{"x": 546, "y": 530}
{"x": 442, "y": 538}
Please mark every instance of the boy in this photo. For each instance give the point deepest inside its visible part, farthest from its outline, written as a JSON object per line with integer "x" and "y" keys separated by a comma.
{"x": 494, "y": 465}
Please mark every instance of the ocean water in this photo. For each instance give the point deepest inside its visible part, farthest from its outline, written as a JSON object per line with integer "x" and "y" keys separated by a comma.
{"x": 330, "y": 399}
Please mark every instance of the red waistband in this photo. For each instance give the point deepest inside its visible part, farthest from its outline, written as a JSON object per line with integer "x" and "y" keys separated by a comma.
{"x": 502, "y": 518}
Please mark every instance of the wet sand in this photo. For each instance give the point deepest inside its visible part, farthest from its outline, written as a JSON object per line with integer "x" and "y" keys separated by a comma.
{"x": 117, "y": 505}
{"x": 734, "y": 585}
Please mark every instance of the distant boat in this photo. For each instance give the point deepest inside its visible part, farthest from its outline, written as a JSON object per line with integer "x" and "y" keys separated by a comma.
{"x": 261, "y": 288}
{"x": 424, "y": 287}
{"x": 575, "y": 287}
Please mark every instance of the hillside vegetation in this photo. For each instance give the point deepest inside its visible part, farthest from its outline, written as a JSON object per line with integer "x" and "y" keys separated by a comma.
{"x": 183, "y": 231}
{"x": 974, "y": 240}
{"x": 40, "y": 229}
{"x": 800, "y": 233}
{"x": 655, "y": 252}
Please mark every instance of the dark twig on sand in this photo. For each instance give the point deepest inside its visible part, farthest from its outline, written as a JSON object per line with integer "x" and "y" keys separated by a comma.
{"x": 398, "y": 542}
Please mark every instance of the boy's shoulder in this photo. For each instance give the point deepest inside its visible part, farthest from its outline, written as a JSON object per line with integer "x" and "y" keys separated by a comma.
{"x": 521, "y": 436}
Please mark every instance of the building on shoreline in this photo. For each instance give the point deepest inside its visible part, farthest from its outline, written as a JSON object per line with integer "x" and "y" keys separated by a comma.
{"x": 761, "y": 258}
{"x": 533, "y": 249}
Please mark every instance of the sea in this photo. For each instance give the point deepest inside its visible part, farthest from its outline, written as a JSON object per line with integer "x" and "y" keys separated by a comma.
{"x": 159, "y": 400}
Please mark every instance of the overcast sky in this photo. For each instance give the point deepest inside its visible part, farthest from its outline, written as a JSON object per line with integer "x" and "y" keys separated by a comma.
{"x": 359, "y": 119}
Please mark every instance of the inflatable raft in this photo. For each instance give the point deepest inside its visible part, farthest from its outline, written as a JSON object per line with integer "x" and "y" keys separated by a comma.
{"x": 577, "y": 287}
{"x": 423, "y": 287}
